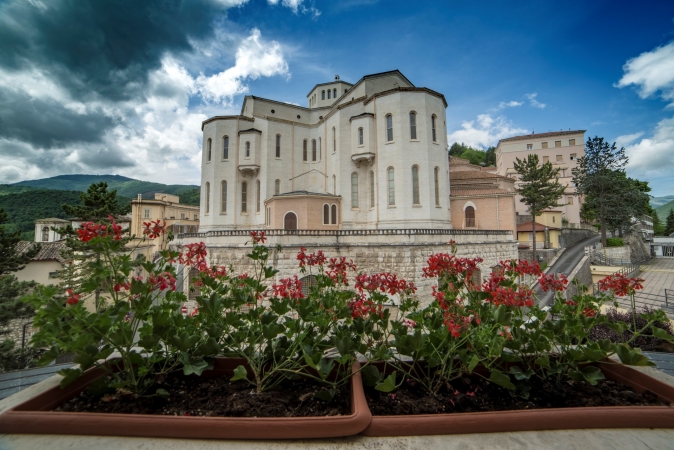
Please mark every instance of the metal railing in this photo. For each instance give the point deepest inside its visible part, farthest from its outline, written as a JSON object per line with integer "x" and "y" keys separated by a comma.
{"x": 343, "y": 233}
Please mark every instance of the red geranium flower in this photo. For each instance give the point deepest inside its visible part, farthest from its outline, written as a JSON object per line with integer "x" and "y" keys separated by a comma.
{"x": 73, "y": 298}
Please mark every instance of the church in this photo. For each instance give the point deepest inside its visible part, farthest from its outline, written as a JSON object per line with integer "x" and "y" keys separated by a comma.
{"x": 369, "y": 155}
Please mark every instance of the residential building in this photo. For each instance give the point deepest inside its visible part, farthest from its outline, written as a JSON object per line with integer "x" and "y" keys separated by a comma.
{"x": 44, "y": 266}
{"x": 548, "y": 231}
{"x": 480, "y": 199}
{"x": 561, "y": 148}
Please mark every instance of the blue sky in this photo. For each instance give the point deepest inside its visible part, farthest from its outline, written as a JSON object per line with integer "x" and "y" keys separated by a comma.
{"x": 506, "y": 68}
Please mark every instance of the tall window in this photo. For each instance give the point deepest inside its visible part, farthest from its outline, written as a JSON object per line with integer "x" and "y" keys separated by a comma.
{"x": 334, "y": 184}
{"x": 415, "y": 185}
{"x": 278, "y": 145}
{"x": 470, "y": 217}
{"x": 354, "y": 190}
{"x": 313, "y": 149}
{"x": 389, "y": 128}
{"x": 146, "y": 214}
{"x": 413, "y": 125}
{"x": 360, "y": 136}
{"x": 436, "y": 179}
{"x": 326, "y": 214}
{"x": 208, "y": 197}
{"x": 391, "y": 187}
{"x": 257, "y": 196}
{"x": 247, "y": 149}
{"x": 45, "y": 234}
{"x": 334, "y": 93}
{"x": 223, "y": 208}
{"x": 209, "y": 148}
{"x": 371, "y": 189}
{"x": 268, "y": 218}
{"x": 225, "y": 147}
{"x": 322, "y": 95}
{"x": 435, "y": 139}
{"x": 277, "y": 187}
{"x": 333, "y": 214}
{"x": 334, "y": 140}
{"x": 572, "y": 142}
{"x": 304, "y": 150}
{"x": 244, "y": 197}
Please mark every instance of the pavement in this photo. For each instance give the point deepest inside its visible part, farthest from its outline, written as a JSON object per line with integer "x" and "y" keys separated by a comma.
{"x": 565, "y": 264}
{"x": 658, "y": 275}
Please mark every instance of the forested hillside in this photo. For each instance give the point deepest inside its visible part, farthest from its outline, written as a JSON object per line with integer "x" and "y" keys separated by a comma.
{"x": 126, "y": 187}
{"x": 663, "y": 211}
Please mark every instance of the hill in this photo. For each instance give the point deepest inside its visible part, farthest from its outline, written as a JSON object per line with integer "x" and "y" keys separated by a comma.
{"x": 663, "y": 210}
{"x": 24, "y": 208}
{"x": 126, "y": 187}
{"x": 659, "y": 201}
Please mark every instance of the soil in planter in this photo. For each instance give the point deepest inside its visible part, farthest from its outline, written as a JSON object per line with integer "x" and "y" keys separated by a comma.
{"x": 193, "y": 396}
{"x": 475, "y": 394}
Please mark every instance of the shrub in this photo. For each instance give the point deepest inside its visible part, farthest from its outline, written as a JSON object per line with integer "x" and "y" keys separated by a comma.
{"x": 646, "y": 341}
{"x": 614, "y": 242}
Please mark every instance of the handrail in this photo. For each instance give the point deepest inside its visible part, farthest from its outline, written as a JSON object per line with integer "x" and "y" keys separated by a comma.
{"x": 340, "y": 233}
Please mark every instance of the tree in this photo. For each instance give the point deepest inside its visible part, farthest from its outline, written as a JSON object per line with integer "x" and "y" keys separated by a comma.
{"x": 97, "y": 204}
{"x": 599, "y": 176}
{"x": 539, "y": 188}
{"x": 490, "y": 157}
{"x": 669, "y": 223}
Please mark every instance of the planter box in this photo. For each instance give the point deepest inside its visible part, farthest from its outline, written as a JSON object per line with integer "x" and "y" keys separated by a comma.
{"x": 541, "y": 419}
{"x": 36, "y": 416}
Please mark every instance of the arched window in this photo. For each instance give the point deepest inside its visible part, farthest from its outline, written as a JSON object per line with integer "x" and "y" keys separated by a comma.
{"x": 247, "y": 149}
{"x": 360, "y": 136}
{"x": 223, "y": 207}
{"x": 45, "y": 234}
{"x": 436, "y": 179}
{"x": 328, "y": 94}
{"x": 415, "y": 185}
{"x": 433, "y": 128}
{"x": 277, "y": 187}
{"x": 322, "y": 95}
{"x": 244, "y": 197}
{"x": 208, "y": 197}
{"x": 354, "y": 190}
{"x": 413, "y": 125}
{"x": 278, "y": 145}
{"x": 334, "y": 92}
{"x": 304, "y": 150}
{"x": 389, "y": 128}
{"x": 470, "y": 217}
{"x": 290, "y": 221}
{"x": 371, "y": 189}
{"x": 326, "y": 214}
{"x": 257, "y": 196}
{"x": 333, "y": 215}
{"x": 209, "y": 148}
{"x": 319, "y": 149}
{"x": 313, "y": 149}
{"x": 268, "y": 218}
{"x": 225, "y": 147}
{"x": 334, "y": 140}
{"x": 391, "y": 187}
{"x": 334, "y": 184}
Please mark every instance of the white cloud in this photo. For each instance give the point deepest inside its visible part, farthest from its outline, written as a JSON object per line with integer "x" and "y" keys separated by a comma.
{"x": 297, "y": 6}
{"x": 254, "y": 58}
{"x": 653, "y": 158}
{"x": 651, "y": 72}
{"x": 510, "y": 104}
{"x": 622, "y": 141}
{"x": 533, "y": 102}
{"x": 484, "y": 131}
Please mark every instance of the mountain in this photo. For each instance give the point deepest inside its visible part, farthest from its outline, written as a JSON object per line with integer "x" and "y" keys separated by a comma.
{"x": 663, "y": 210}
{"x": 659, "y": 201}
{"x": 126, "y": 187}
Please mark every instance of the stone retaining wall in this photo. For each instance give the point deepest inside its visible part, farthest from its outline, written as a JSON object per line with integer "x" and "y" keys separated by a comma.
{"x": 15, "y": 330}
{"x": 582, "y": 274}
{"x": 546, "y": 254}
{"x": 571, "y": 236}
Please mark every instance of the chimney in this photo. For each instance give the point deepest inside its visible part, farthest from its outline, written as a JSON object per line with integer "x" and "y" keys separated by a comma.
{"x": 336, "y": 77}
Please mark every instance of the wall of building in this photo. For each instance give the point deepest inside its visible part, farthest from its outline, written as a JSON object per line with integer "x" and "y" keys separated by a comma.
{"x": 571, "y": 236}
{"x": 524, "y": 237}
{"x": 492, "y": 213}
{"x": 39, "y": 271}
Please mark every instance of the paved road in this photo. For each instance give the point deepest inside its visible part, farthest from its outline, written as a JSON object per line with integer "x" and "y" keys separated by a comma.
{"x": 565, "y": 264}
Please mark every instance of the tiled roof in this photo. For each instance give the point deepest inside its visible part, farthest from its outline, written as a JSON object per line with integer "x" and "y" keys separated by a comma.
{"x": 472, "y": 174}
{"x": 541, "y": 135}
{"x": 478, "y": 192}
{"x": 527, "y": 227}
{"x": 458, "y": 161}
{"x": 49, "y": 251}
{"x": 51, "y": 220}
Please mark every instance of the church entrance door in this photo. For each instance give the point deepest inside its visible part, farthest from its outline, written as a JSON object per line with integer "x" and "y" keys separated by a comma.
{"x": 290, "y": 221}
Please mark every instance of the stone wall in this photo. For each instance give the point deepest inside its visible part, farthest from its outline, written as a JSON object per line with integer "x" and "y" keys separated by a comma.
{"x": 403, "y": 255}
{"x": 639, "y": 251}
{"x": 571, "y": 236}
{"x": 583, "y": 276}
{"x": 15, "y": 330}
{"x": 546, "y": 254}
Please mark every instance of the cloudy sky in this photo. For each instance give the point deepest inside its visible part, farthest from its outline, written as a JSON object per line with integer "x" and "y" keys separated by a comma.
{"x": 121, "y": 86}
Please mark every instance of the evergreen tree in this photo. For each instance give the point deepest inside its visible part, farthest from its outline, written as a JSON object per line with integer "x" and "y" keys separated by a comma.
{"x": 658, "y": 226}
{"x": 490, "y": 157}
{"x": 669, "y": 223}
{"x": 97, "y": 204}
{"x": 539, "y": 188}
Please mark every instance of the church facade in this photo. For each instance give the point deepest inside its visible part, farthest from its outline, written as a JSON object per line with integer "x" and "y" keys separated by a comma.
{"x": 369, "y": 155}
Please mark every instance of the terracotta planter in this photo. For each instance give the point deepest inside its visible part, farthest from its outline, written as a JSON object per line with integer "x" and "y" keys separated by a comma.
{"x": 35, "y": 416}
{"x": 541, "y": 419}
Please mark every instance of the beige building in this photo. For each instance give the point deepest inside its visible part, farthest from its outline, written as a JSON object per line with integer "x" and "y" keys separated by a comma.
{"x": 372, "y": 155}
{"x": 480, "y": 199}
{"x": 44, "y": 266}
{"x": 548, "y": 231}
{"x": 179, "y": 218}
{"x": 561, "y": 148}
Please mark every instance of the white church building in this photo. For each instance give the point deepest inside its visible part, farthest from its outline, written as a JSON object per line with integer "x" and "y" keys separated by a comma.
{"x": 369, "y": 155}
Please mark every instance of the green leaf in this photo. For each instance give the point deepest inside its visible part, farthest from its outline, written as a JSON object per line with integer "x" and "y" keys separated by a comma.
{"x": 500, "y": 378}
{"x": 326, "y": 395}
{"x": 499, "y": 315}
{"x": 509, "y": 357}
{"x": 519, "y": 374}
{"x": 371, "y": 375}
{"x": 69, "y": 375}
{"x": 589, "y": 374}
{"x": 543, "y": 361}
{"x": 162, "y": 392}
{"x": 662, "y": 334}
{"x": 240, "y": 373}
{"x": 618, "y": 327}
{"x": 593, "y": 352}
{"x": 632, "y": 357}
{"x": 388, "y": 384}
{"x": 196, "y": 367}
{"x": 474, "y": 361}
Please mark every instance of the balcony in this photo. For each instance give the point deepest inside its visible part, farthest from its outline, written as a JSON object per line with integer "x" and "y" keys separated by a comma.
{"x": 360, "y": 158}
{"x": 249, "y": 169}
